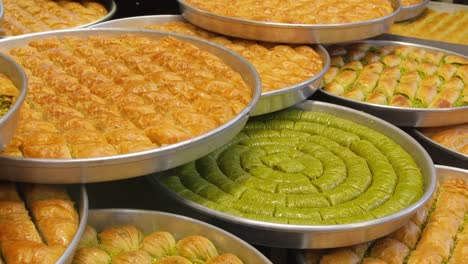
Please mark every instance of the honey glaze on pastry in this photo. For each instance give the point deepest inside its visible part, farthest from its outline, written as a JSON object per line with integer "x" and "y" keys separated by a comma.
{"x": 298, "y": 12}
{"x": 39, "y": 229}
{"x": 406, "y": 3}
{"x": 127, "y": 244}
{"x": 102, "y": 96}
{"x": 401, "y": 76}
{"x": 278, "y": 65}
{"x": 453, "y": 137}
{"x": 28, "y": 16}
{"x": 8, "y": 94}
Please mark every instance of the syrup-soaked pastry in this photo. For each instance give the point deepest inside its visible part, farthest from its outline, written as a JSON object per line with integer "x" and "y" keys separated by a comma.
{"x": 158, "y": 244}
{"x": 432, "y": 24}
{"x": 28, "y": 16}
{"x": 278, "y": 65}
{"x": 436, "y": 234}
{"x": 30, "y": 252}
{"x": 173, "y": 259}
{"x": 136, "y": 256}
{"x": 453, "y": 137}
{"x": 303, "y": 167}
{"x": 90, "y": 100}
{"x": 298, "y": 12}
{"x": 120, "y": 239}
{"x": 91, "y": 255}
{"x": 407, "y": 77}
{"x": 196, "y": 248}
{"x": 8, "y": 94}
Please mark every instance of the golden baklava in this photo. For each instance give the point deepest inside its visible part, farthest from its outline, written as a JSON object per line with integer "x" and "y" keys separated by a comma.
{"x": 8, "y": 94}
{"x": 278, "y": 65}
{"x": 402, "y": 76}
{"x": 435, "y": 25}
{"x": 406, "y": 3}
{"x": 28, "y": 16}
{"x": 127, "y": 244}
{"x": 37, "y": 229}
{"x": 103, "y": 96}
{"x": 453, "y": 137}
{"x": 298, "y": 12}
{"x": 437, "y": 233}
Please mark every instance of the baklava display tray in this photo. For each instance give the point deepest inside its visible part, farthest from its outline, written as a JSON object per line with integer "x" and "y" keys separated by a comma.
{"x": 412, "y": 11}
{"x": 138, "y": 163}
{"x": 270, "y": 101}
{"x": 404, "y": 116}
{"x": 402, "y": 246}
{"x": 110, "y": 5}
{"x": 9, "y": 120}
{"x": 179, "y": 226}
{"x": 288, "y": 33}
{"x": 318, "y": 236}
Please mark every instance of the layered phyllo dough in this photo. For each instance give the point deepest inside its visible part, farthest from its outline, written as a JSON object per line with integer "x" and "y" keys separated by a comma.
{"x": 402, "y": 76}
{"x": 102, "y": 96}
{"x": 303, "y": 168}
{"x": 8, "y": 94}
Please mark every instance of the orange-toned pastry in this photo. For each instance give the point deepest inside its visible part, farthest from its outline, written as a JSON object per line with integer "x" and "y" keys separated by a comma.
{"x": 103, "y": 96}
{"x": 278, "y": 65}
{"x": 435, "y": 25}
{"x": 406, "y": 3}
{"x": 298, "y": 12}
{"x": 8, "y": 94}
{"x": 453, "y": 137}
{"x": 28, "y": 16}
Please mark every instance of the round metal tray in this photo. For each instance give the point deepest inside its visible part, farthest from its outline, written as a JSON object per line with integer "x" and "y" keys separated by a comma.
{"x": 269, "y": 101}
{"x": 412, "y": 11}
{"x": 179, "y": 226}
{"x": 289, "y": 33}
{"x": 326, "y": 236}
{"x": 111, "y": 8}
{"x": 2, "y": 10}
{"x": 80, "y": 197}
{"x": 443, "y": 173}
{"x": 441, "y": 154}
{"x": 405, "y": 116}
{"x": 138, "y": 163}
{"x": 9, "y": 121}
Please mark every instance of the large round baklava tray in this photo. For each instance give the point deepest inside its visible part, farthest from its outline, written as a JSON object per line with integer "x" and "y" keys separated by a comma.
{"x": 315, "y": 176}
{"x": 310, "y": 21}
{"x": 405, "y": 84}
{"x": 145, "y": 237}
{"x": 109, "y": 104}
{"x": 32, "y": 16}
{"x": 289, "y": 73}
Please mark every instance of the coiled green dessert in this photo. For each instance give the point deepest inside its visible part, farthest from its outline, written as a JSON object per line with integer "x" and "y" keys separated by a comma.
{"x": 302, "y": 167}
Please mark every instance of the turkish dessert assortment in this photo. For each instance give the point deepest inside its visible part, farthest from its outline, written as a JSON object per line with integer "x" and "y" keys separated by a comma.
{"x": 436, "y": 25}
{"x": 298, "y": 12}
{"x": 303, "y": 167}
{"x": 103, "y": 96}
{"x": 37, "y": 222}
{"x": 401, "y": 76}
{"x": 128, "y": 244}
{"x": 453, "y": 137}
{"x": 8, "y": 94}
{"x": 29, "y": 16}
{"x": 278, "y": 65}
{"x": 437, "y": 233}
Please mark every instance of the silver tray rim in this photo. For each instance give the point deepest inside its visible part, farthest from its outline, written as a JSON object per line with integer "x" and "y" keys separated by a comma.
{"x": 288, "y": 25}
{"x": 430, "y": 187}
{"x": 135, "y": 156}
{"x": 156, "y": 214}
{"x": 160, "y": 19}
{"x": 440, "y": 147}
{"x": 2, "y": 10}
{"x": 412, "y": 11}
{"x": 83, "y": 209}
{"x": 111, "y": 7}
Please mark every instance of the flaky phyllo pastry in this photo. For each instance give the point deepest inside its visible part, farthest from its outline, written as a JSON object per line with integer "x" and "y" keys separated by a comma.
{"x": 303, "y": 168}
{"x": 28, "y": 16}
{"x": 38, "y": 229}
{"x": 438, "y": 233}
{"x": 452, "y": 137}
{"x": 298, "y": 12}
{"x": 102, "y": 96}
{"x": 278, "y": 65}
{"x": 127, "y": 244}
{"x": 402, "y": 76}
{"x": 8, "y": 94}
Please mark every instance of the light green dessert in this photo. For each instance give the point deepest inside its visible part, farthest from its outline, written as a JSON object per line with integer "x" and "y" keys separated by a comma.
{"x": 302, "y": 167}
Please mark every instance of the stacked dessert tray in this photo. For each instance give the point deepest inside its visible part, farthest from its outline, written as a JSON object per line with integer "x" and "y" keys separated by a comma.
{"x": 330, "y": 136}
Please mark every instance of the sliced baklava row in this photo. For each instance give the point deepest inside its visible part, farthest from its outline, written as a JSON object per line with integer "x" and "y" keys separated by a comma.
{"x": 38, "y": 228}
{"x": 279, "y": 65}
{"x": 437, "y": 233}
{"x": 28, "y": 16}
{"x": 102, "y": 96}
{"x": 127, "y": 244}
{"x": 403, "y": 76}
